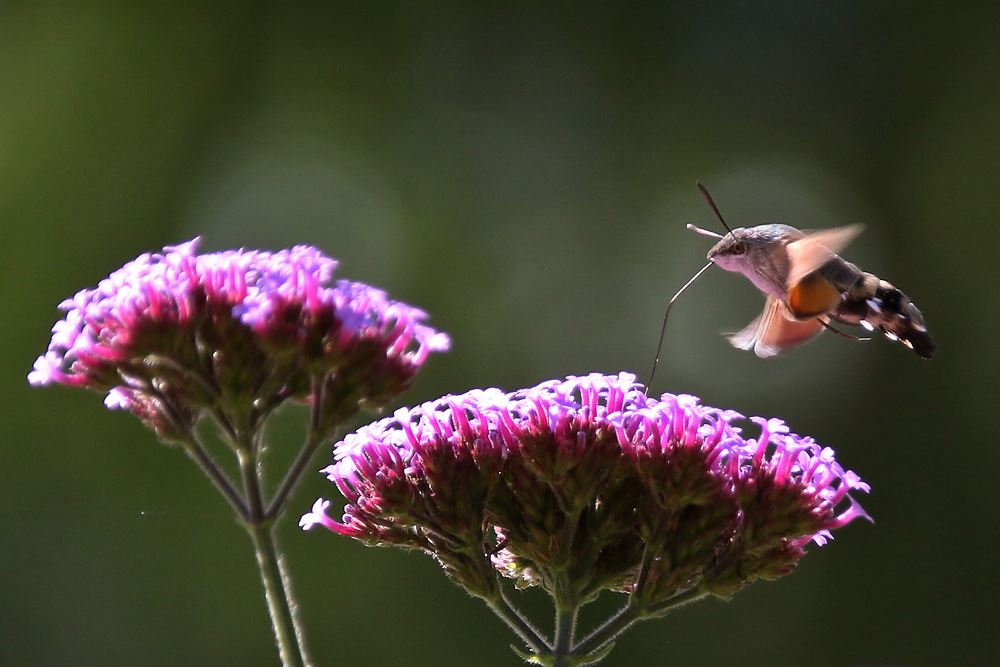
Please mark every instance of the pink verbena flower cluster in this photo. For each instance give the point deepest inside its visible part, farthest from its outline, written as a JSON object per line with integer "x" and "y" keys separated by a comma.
{"x": 174, "y": 335}
{"x": 589, "y": 477}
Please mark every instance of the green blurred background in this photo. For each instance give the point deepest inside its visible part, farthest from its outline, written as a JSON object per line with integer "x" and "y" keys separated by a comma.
{"x": 524, "y": 174}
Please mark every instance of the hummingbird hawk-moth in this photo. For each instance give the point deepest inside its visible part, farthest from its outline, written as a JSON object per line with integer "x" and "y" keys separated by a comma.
{"x": 808, "y": 285}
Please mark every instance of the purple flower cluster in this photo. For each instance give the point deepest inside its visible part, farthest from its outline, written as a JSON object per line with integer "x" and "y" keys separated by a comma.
{"x": 172, "y": 335}
{"x": 588, "y": 477}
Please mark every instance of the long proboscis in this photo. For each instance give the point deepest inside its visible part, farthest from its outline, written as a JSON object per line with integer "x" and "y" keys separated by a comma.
{"x": 663, "y": 329}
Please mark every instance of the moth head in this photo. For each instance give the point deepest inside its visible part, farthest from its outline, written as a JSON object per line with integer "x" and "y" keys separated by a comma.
{"x": 746, "y": 246}
{"x": 731, "y": 250}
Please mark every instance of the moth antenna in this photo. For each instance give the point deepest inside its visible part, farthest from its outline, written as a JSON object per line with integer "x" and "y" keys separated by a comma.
{"x": 715, "y": 208}
{"x": 704, "y": 232}
{"x": 663, "y": 329}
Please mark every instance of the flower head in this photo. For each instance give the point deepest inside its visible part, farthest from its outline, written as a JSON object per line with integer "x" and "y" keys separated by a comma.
{"x": 174, "y": 335}
{"x": 588, "y": 480}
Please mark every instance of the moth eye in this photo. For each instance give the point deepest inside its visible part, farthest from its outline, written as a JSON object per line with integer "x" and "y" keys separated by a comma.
{"x": 739, "y": 248}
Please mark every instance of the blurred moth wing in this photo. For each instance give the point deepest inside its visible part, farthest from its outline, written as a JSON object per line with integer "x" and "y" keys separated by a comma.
{"x": 774, "y": 331}
{"x": 815, "y": 249}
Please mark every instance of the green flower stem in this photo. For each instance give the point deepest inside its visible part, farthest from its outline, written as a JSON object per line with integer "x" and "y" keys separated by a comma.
{"x": 611, "y": 628}
{"x": 567, "y": 606}
{"x": 250, "y": 472}
{"x": 676, "y": 601}
{"x": 516, "y": 622}
{"x": 639, "y": 589}
{"x": 277, "y": 587}
{"x": 601, "y": 639}
{"x": 630, "y": 614}
{"x": 259, "y": 525}
{"x": 200, "y": 455}
{"x": 316, "y": 436}
{"x": 309, "y": 447}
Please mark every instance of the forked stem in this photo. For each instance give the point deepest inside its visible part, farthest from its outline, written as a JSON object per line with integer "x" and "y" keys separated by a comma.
{"x": 277, "y": 587}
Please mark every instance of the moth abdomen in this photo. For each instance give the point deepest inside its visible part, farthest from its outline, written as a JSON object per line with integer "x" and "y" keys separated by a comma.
{"x": 891, "y": 311}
